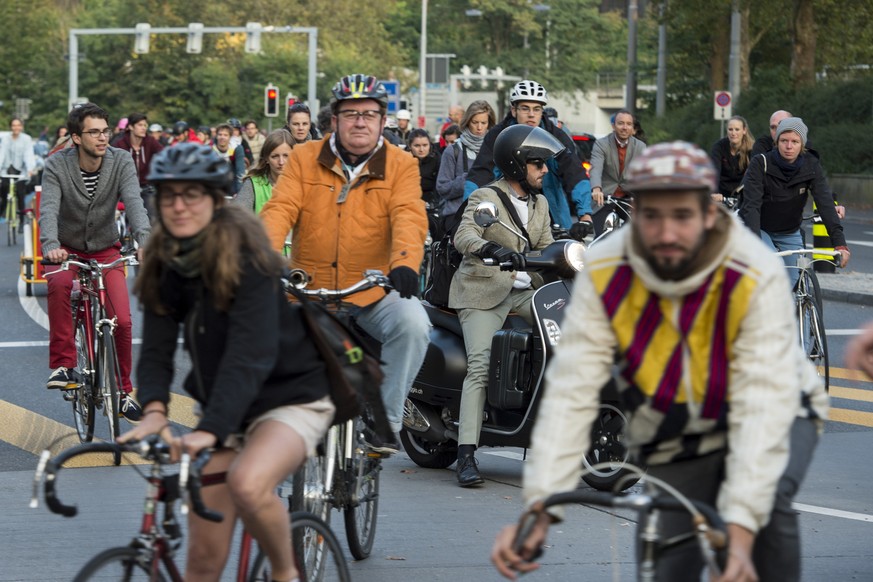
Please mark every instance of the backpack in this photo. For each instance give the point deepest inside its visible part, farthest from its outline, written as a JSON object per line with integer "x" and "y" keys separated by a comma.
{"x": 353, "y": 371}
{"x": 444, "y": 262}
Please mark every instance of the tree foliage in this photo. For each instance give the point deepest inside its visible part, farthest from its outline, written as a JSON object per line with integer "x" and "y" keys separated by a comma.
{"x": 567, "y": 47}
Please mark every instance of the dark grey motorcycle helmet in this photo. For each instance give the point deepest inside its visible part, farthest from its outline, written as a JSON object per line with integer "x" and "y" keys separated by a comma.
{"x": 191, "y": 162}
{"x": 518, "y": 144}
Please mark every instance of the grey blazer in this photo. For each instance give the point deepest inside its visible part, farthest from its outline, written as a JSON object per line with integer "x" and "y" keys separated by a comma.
{"x": 69, "y": 217}
{"x": 604, "y": 162}
{"x": 481, "y": 286}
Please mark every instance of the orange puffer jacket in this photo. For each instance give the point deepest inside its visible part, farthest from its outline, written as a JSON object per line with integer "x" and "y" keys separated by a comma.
{"x": 381, "y": 224}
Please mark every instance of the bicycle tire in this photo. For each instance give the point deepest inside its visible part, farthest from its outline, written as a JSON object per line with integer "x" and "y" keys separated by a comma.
{"x": 816, "y": 342}
{"x": 110, "y": 384}
{"x": 83, "y": 396}
{"x": 815, "y": 290}
{"x": 308, "y": 492}
{"x": 311, "y": 538}
{"x": 122, "y": 563}
{"x": 361, "y": 513}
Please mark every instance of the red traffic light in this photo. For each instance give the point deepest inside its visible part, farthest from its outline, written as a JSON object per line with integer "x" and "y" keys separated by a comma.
{"x": 271, "y": 94}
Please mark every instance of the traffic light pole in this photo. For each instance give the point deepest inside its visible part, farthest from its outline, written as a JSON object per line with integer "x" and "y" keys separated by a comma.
{"x": 75, "y": 33}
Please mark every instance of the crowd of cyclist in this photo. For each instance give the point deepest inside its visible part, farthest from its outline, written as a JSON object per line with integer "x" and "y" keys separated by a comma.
{"x": 191, "y": 194}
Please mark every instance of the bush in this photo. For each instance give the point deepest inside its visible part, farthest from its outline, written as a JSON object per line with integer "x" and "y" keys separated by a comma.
{"x": 838, "y": 113}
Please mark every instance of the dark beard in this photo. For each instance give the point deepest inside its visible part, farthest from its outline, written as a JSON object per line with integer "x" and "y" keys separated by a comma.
{"x": 680, "y": 269}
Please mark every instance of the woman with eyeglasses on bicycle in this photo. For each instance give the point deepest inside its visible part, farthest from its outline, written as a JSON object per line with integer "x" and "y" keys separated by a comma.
{"x": 209, "y": 269}
{"x": 257, "y": 188}
{"x": 775, "y": 191}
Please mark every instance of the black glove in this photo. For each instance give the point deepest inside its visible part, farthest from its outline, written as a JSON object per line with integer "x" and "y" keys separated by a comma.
{"x": 492, "y": 250}
{"x": 405, "y": 281}
{"x": 579, "y": 230}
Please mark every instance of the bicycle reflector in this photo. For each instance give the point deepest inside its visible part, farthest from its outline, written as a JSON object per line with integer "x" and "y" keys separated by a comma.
{"x": 271, "y": 101}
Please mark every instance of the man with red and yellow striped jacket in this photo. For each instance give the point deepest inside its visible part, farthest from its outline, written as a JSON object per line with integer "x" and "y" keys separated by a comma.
{"x": 694, "y": 310}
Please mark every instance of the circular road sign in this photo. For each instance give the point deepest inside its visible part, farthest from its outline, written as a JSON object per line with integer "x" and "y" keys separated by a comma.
{"x": 723, "y": 99}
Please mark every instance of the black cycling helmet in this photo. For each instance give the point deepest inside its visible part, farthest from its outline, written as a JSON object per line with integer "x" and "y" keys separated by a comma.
{"x": 191, "y": 162}
{"x": 234, "y": 123}
{"x": 518, "y": 144}
{"x": 358, "y": 86}
{"x": 180, "y": 127}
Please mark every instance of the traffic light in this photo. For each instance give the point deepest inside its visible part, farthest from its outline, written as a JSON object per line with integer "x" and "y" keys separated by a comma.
{"x": 271, "y": 101}
{"x": 141, "y": 41}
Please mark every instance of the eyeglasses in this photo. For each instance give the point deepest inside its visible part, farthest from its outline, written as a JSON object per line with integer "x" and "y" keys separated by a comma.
{"x": 538, "y": 163}
{"x": 528, "y": 109}
{"x": 189, "y": 197}
{"x": 352, "y": 115}
{"x": 774, "y": 126}
{"x": 299, "y": 108}
{"x": 95, "y": 133}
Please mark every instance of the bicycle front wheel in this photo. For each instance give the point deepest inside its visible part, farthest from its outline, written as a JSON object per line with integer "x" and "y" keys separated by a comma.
{"x": 814, "y": 339}
{"x": 121, "y": 564}
{"x": 317, "y": 553}
{"x": 309, "y": 489}
{"x": 11, "y": 219}
{"x": 110, "y": 383}
{"x": 83, "y": 396}
{"x": 361, "y": 513}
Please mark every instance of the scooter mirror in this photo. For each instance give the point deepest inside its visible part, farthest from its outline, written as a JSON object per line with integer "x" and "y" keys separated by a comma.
{"x": 486, "y": 214}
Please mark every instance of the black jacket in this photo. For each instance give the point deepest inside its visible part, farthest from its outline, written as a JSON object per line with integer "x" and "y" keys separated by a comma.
{"x": 429, "y": 166}
{"x": 245, "y": 361}
{"x": 774, "y": 203}
{"x": 727, "y": 166}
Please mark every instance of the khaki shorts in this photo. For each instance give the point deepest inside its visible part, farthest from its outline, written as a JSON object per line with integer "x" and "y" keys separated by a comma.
{"x": 310, "y": 420}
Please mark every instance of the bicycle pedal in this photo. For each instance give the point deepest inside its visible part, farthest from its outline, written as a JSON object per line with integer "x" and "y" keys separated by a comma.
{"x": 69, "y": 395}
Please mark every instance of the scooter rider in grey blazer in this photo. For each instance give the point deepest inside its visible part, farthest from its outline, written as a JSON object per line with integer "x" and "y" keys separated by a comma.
{"x": 485, "y": 295}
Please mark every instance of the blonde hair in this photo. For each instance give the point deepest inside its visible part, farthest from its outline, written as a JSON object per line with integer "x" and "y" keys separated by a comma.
{"x": 746, "y": 142}
{"x": 475, "y": 108}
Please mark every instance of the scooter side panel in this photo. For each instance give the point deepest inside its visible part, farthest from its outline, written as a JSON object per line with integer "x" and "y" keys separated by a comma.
{"x": 441, "y": 376}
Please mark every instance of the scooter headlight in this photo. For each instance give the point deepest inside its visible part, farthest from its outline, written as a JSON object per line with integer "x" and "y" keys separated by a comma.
{"x": 574, "y": 253}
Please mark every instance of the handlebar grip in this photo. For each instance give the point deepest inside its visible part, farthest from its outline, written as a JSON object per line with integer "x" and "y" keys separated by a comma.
{"x": 194, "y": 484}
{"x": 54, "y": 465}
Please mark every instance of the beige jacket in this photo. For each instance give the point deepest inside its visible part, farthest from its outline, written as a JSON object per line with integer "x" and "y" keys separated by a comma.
{"x": 767, "y": 371}
{"x": 480, "y": 286}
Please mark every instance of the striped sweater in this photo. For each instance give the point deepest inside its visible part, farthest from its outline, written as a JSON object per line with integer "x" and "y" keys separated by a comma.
{"x": 703, "y": 364}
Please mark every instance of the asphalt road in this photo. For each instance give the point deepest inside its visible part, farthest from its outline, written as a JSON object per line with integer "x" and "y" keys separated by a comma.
{"x": 428, "y": 528}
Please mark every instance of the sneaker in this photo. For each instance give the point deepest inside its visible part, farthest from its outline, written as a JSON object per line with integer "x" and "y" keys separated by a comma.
{"x": 131, "y": 411}
{"x": 385, "y": 447}
{"x": 62, "y": 378}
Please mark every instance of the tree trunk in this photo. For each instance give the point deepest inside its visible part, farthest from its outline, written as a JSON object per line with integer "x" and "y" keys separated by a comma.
{"x": 804, "y": 37}
{"x": 721, "y": 49}
{"x": 745, "y": 47}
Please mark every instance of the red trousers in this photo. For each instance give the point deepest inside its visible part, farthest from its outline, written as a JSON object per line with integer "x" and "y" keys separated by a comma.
{"x": 62, "y": 345}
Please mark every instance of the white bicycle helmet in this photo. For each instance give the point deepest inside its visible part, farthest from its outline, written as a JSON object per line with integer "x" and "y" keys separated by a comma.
{"x": 528, "y": 91}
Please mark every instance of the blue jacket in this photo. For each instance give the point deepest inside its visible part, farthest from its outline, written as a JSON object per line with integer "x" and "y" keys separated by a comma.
{"x": 565, "y": 181}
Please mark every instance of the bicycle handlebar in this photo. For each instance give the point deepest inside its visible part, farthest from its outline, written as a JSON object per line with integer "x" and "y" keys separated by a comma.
{"x": 92, "y": 264}
{"x": 17, "y": 177}
{"x": 151, "y": 449}
{"x": 298, "y": 279}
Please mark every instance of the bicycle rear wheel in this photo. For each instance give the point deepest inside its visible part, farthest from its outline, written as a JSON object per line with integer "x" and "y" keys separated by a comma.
{"x": 124, "y": 563}
{"x": 83, "y": 396}
{"x": 317, "y": 553}
{"x": 110, "y": 384}
{"x": 362, "y": 479}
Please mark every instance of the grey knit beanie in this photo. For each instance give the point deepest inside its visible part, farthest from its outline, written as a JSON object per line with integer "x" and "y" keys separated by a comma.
{"x": 794, "y": 124}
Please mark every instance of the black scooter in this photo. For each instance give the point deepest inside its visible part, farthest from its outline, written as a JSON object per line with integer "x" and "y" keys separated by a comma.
{"x": 519, "y": 356}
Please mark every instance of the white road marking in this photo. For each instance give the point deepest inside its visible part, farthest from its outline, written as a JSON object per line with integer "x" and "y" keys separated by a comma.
{"x": 832, "y": 512}
{"x": 44, "y": 343}
{"x": 862, "y": 243}
{"x": 843, "y": 331}
{"x": 505, "y": 455}
{"x": 31, "y": 306}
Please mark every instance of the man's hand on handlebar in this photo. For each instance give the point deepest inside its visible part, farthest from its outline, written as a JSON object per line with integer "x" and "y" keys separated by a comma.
{"x": 579, "y": 230}
{"x": 492, "y": 250}
{"x": 844, "y": 256}
{"x": 154, "y": 421}
{"x": 597, "y": 196}
{"x": 405, "y": 281}
{"x": 508, "y": 559}
{"x": 58, "y": 255}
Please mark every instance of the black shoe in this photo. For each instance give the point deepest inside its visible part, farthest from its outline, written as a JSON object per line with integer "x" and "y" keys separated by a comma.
{"x": 131, "y": 411}
{"x": 383, "y": 446}
{"x": 62, "y": 378}
{"x": 468, "y": 471}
